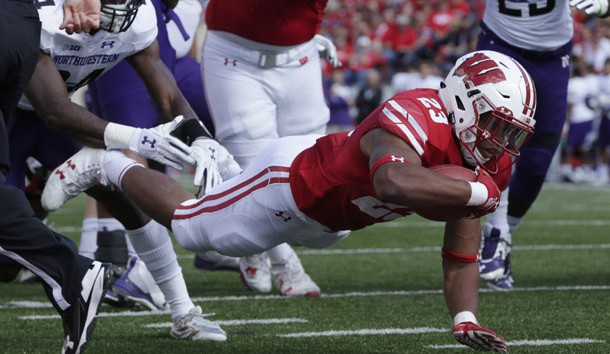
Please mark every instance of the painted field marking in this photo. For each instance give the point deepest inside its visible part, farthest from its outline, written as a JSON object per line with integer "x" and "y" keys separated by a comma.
{"x": 365, "y": 332}
{"x": 534, "y": 342}
{"x": 426, "y": 224}
{"x": 239, "y": 322}
{"x": 588, "y": 246}
{"x": 33, "y": 304}
{"x": 545, "y": 223}
{"x": 330, "y": 252}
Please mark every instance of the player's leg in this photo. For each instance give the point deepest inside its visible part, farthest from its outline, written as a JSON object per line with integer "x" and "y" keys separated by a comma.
{"x": 242, "y": 110}
{"x": 130, "y": 104}
{"x": 297, "y": 114}
{"x": 602, "y": 144}
{"x": 244, "y": 119}
{"x": 74, "y": 284}
{"x": 551, "y": 75}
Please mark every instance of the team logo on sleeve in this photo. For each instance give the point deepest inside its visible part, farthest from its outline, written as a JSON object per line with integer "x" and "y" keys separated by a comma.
{"x": 478, "y": 70}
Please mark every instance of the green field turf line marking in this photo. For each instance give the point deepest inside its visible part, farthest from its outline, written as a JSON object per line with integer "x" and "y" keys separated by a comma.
{"x": 534, "y": 342}
{"x": 330, "y": 252}
{"x": 438, "y": 249}
{"x": 239, "y": 322}
{"x": 16, "y": 304}
{"x": 545, "y": 223}
{"x": 365, "y": 332}
{"x": 406, "y": 223}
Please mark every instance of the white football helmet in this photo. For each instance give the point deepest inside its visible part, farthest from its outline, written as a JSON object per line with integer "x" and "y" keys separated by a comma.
{"x": 117, "y": 15}
{"x": 491, "y": 101}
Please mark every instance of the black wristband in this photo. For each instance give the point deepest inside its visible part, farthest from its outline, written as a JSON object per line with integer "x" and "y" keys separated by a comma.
{"x": 192, "y": 129}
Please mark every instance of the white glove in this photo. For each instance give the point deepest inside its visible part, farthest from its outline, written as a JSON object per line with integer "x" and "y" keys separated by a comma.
{"x": 591, "y": 7}
{"x": 327, "y": 50}
{"x": 154, "y": 143}
{"x": 214, "y": 164}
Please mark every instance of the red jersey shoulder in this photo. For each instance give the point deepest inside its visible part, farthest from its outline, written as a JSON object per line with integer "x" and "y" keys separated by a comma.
{"x": 419, "y": 118}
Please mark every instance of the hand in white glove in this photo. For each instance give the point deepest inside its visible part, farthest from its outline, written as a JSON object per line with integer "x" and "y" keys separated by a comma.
{"x": 327, "y": 50}
{"x": 214, "y": 164}
{"x": 155, "y": 143}
{"x": 591, "y": 7}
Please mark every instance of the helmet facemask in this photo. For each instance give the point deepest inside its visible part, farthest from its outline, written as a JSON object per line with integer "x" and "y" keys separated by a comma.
{"x": 491, "y": 101}
{"x": 117, "y": 15}
{"x": 496, "y": 132}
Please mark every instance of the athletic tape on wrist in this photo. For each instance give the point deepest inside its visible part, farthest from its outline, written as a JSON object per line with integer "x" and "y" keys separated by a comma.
{"x": 478, "y": 194}
{"x": 118, "y": 136}
{"x": 191, "y": 130}
{"x": 386, "y": 159}
{"x": 460, "y": 257}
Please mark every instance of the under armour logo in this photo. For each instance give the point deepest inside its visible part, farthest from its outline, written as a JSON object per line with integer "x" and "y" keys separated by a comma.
{"x": 303, "y": 60}
{"x": 60, "y": 172}
{"x": 212, "y": 153}
{"x": 233, "y": 61}
{"x": 565, "y": 61}
{"x": 151, "y": 142}
{"x": 110, "y": 44}
{"x": 398, "y": 159}
{"x": 284, "y": 217}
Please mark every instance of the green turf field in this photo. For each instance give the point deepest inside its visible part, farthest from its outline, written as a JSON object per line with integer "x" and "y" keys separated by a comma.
{"x": 381, "y": 294}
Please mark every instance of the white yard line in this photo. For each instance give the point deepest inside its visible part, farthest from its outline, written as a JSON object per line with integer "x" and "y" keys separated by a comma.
{"x": 34, "y": 304}
{"x": 264, "y": 321}
{"x": 425, "y": 224}
{"x": 533, "y": 342}
{"x": 365, "y": 332}
{"x": 330, "y": 252}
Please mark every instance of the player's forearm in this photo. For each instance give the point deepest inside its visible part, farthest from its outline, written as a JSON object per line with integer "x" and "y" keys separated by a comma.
{"x": 76, "y": 122}
{"x": 418, "y": 187}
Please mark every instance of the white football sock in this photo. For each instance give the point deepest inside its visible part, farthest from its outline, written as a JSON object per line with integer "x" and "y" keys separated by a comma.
{"x": 498, "y": 219}
{"x": 513, "y": 223}
{"x": 109, "y": 224}
{"x": 88, "y": 238}
{"x": 115, "y": 164}
{"x": 280, "y": 253}
{"x": 154, "y": 247}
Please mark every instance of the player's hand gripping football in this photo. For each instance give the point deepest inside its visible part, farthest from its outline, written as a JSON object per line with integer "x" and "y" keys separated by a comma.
{"x": 155, "y": 143}
{"x": 493, "y": 194}
{"x": 479, "y": 338}
{"x": 327, "y": 50}
{"x": 214, "y": 164}
{"x": 591, "y": 7}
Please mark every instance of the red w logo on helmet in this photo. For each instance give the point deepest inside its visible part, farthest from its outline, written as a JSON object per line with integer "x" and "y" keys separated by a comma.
{"x": 479, "y": 69}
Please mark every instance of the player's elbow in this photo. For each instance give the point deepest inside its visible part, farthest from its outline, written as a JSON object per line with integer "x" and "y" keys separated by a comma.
{"x": 390, "y": 187}
{"x": 52, "y": 120}
{"x": 52, "y": 114}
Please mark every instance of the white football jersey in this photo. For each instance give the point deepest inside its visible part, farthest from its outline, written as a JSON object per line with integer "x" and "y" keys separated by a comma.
{"x": 579, "y": 88}
{"x": 81, "y": 58}
{"x": 189, "y": 12}
{"x": 530, "y": 24}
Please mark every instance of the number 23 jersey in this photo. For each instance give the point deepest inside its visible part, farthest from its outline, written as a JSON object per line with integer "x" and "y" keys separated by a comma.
{"x": 330, "y": 181}
{"x": 81, "y": 57}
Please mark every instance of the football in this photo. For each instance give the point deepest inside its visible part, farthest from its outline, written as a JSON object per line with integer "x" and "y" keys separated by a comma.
{"x": 449, "y": 213}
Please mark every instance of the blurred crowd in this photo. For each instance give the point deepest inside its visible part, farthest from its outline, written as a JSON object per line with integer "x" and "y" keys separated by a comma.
{"x": 386, "y": 46}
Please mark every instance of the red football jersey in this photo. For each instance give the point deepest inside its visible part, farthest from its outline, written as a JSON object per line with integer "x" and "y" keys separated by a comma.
{"x": 330, "y": 180}
{"x": 275, "y": 22}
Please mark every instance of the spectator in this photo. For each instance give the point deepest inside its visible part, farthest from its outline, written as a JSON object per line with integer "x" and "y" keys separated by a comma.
{"x": 369, "y": 96}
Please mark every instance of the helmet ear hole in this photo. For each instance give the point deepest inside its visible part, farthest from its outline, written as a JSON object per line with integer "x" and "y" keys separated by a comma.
{"x": 459, "y": 103}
